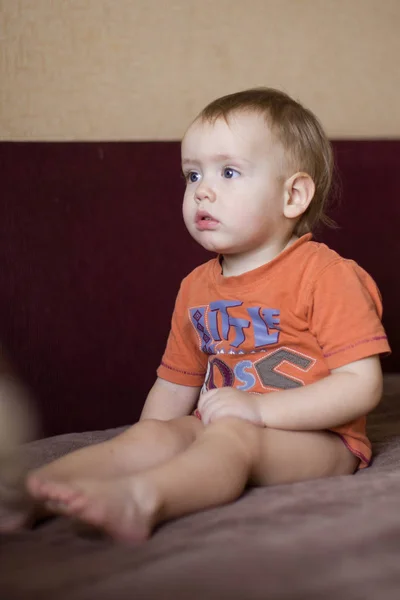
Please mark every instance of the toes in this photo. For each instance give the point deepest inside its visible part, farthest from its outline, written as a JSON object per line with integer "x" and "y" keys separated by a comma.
{"x": 67, "y": 504}
{"x": 40, "y": 490}
{"x": 57, "y": 497}
{"x": 53, "y": 506}
{"x": 34, "y": 486}
{"x": 62, "y": 499}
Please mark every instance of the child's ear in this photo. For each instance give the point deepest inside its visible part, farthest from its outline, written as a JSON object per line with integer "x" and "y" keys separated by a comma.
{"x": 299, "y": 191}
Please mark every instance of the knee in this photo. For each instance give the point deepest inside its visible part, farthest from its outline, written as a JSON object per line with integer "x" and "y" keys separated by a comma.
{"x": 173, "y": 434}
{"x": 234, "y": 425}
{"x": 245, "y": 434}
{"x": 149, "y": 429}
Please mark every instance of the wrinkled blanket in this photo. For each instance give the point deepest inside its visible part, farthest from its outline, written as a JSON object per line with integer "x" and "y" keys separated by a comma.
{"x": 326, "y": 539}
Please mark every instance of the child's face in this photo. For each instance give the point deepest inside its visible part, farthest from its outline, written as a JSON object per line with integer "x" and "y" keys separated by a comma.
{"x": 234, "y": 196}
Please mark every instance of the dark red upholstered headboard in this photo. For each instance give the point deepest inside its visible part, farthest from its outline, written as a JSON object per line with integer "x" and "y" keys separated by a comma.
{"x": 92, "y": 250}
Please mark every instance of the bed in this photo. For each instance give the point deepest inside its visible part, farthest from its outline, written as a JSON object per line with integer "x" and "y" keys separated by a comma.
{"x": 330, "y": 538}
{"x": 92, "y": 250}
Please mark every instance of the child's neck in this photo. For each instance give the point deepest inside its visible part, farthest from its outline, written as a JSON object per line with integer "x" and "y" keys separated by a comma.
{"x": 237, "y": 264}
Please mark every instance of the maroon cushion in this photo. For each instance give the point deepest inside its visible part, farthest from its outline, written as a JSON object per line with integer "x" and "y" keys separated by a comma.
{"x": 92, "y": 251}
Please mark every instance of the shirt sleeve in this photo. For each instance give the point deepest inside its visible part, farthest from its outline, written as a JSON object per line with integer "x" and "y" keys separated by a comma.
{"x": 345, "y": 314}
{"x": 183, "y": 361}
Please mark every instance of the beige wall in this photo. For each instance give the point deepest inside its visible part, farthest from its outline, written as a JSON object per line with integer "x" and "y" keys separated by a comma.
{"x": 141, "y": 69}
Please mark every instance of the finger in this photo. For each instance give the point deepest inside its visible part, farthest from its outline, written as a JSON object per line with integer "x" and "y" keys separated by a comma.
{"x": 220, "y": 410}
{"x": 205, "y": 415}
{"x": 221, "y": 413}
{"x": 208, "y": 412}
{"x": 206, "y": 399}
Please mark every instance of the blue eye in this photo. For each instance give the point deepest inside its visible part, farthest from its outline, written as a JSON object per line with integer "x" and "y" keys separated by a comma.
{"x": 192, "y": 177}
{"x": 230, "y": 173}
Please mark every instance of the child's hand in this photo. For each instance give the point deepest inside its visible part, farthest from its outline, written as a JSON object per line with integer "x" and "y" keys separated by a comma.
{"x": 229, "y": 402}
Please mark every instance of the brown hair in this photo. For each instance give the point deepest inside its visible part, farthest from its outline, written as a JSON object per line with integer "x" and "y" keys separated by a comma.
{"x": 301, "y": 136}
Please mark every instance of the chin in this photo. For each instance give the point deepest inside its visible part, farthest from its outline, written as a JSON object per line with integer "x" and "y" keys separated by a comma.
{"x": 210, "y": 247}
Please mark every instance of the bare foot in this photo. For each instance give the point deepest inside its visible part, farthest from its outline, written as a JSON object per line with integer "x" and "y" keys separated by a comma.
{"x": 125, "y": 508}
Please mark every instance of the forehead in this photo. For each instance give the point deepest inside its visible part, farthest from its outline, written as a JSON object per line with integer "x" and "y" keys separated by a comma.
{"x": 242, "y": 133}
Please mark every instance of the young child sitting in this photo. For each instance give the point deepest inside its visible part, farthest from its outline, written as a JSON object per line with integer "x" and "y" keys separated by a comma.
{"x": 274, "y": 343}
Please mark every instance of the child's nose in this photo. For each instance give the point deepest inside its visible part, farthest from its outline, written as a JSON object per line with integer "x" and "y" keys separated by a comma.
{"x": 204, "y": 191}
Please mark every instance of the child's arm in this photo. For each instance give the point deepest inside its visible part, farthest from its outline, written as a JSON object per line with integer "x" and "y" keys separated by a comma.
{"x": 348, "y": 393}
{"x": 168, "y": 400}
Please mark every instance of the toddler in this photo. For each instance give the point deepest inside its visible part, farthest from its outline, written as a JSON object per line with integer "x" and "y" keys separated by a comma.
{"x": 272, "y": 362}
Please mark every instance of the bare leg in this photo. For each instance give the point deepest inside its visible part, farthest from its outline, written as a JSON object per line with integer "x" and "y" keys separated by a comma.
{"x": 212, "y": 471}
{"x": 143, "y": 445}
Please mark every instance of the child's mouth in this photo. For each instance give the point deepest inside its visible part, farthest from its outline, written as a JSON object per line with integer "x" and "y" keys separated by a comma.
{"x": 206, "y": 223}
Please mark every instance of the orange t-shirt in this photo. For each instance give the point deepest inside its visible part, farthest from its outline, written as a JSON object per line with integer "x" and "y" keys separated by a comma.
{"x": 280, "y": 326}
